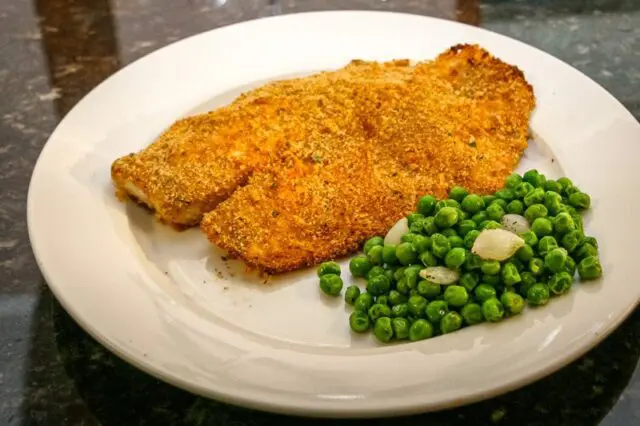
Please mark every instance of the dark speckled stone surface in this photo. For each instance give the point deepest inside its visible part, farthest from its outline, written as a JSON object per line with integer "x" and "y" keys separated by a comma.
{"x": 52, "y": 52}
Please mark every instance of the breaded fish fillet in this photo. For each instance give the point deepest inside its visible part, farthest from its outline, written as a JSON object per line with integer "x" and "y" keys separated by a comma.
{"x": 199, "y": 161}
{"x": 386, "y": 134}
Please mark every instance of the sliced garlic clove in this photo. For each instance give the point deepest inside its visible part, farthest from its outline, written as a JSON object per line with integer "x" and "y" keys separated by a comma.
{"x": 440, "y": 275}
{"x": 496, "y": 244}
{"x": 396, "y": 232}
{"x": 515, "y": 223}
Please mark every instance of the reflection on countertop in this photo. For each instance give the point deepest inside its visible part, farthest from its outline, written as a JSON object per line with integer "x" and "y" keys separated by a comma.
{"x": 53, "y": 52}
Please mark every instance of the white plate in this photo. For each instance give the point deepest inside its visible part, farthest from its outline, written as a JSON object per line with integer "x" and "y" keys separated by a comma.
{"x": 167, "y": 303}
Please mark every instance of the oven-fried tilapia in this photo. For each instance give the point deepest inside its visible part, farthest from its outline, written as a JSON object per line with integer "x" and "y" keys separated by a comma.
{"x": 304, "y": 170}
{"x": 459, "y": 120}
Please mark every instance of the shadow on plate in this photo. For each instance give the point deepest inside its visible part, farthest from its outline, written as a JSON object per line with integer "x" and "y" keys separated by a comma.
{"x": 119, "y": 394}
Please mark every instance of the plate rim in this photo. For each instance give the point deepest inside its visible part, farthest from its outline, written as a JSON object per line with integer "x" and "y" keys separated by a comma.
{"x": 269, "y": 405}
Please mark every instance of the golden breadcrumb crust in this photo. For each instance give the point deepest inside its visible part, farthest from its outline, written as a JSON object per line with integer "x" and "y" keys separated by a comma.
{"x": 351, "y": 153}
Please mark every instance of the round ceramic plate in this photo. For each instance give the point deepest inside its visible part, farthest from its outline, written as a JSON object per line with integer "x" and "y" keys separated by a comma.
{"x": 171, "y": 304}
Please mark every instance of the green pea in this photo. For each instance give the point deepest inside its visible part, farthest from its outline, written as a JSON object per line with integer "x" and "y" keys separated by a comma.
{"x": 571, "y": 190}
{"x": 331, "y": 284}
{"x": 426, "y": 205}
{"x": 458, "y": 193}
{"x": 389, "y": 254}
{"x": 414, "y": 217}
{"x": 515, "y": 207}
{"x": 512, "y": 302}
{"x": 535, "y": 178}
{"x": 396, "y": 298}
{"x": 400, "y": 310}
{"x": 560, "y": 283}
{"x": 456, "y": 295}
{"x": 417, "y": 227}
{"x": 388, "y": 272}
{"x": 489, "y": 224}
{"x": 382, "y": 299}
{"x": 417, "y": 305}
{"x": 523, "y": 189}
{"x": 553, "y": 202}
{"x": 577, "y": 219}
{"x": 428, "y": 289}
{"x": 565, "y": 182}
{"x": 555, "y": 259}
{"x": 421, "y": 329}
{"x": 472, "y": 204}
{"x": 429, "y": 226}
{"x": 589, "y": 268}
{"x": 572, "y": 240}
{"x": 546, "y": 244}
{"x": 440, "y": 245}
{"x": 512, "y": 181}
{"x": 360, "y": 266}
{"x": 436, "y": 310}
{"x": 485, "y": 292}
{"x": 372, "y": 242}
{"x": 472, "y": 262}
{"x": 505, "y": 194}
{"x": 585, "y": 250}
{"x": 530, "y": 238}
{"x": 570, "y": 266}
{"x": 408, "y": 237}
{"x": 499, "y": 202}
{"x": 455, "y": 241}
{"x": 495, "y": 212}
{"x": 352, "y": 293}
{"x": 449, "y": 232}
{"x": 552, "y": 185}
{"x": 400, "y": 328}
{"x": 591, "y": 240}
{"x": 402, "y": 286}
{"x": 329, "y": 268}
{"x": 375, "y": 255}
{"x": 421, "y": 243}
{"x": 470, "y": 239}
{"x": 492, "y": 310}
{"x": 536, "y": 266}
{"x": 538, "y": 294}
{"x": 446, "y": 217}
{"x": 469, "y": 280}
{"x": 428, "y": 259}
{"x": 378, "y": 285}
{"x": 510, "y": 274}
{"x": 465, "y": 227}
{"x": 375, "y": 271}
{"x": 541, "y": 227}
{"x": 494, "y": 280}
{"x": 451, "y": 322}
{"x": 488, "y": 199}
{"x": 359, "y": 321}
{"x": 580, "y": 200}
{"x": 412, "y": 274}
{"x": 406, "y": 253}
{"x": 363, "y": 302}
{"x": 535, "y": 211}
{"x": 534, "y": 197}
{"x": 563, "y": 223}
{"x": 399, "y": 273}
{"x": 455, "y": 258}
{"x": 479, "y": 217}
{"x": 383, "y": 329}
{"x": 525, "y": 253}
{"x": 472, "y": 314}
{"x": 379, "y": 310}
{"x": 490, "y": 267}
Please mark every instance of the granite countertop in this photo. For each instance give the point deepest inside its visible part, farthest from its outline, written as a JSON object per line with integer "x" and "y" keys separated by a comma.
{"x": 53, "y": 52}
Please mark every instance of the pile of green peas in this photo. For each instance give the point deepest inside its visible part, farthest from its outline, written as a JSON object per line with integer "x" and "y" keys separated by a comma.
{"x": 399, "y": 305}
